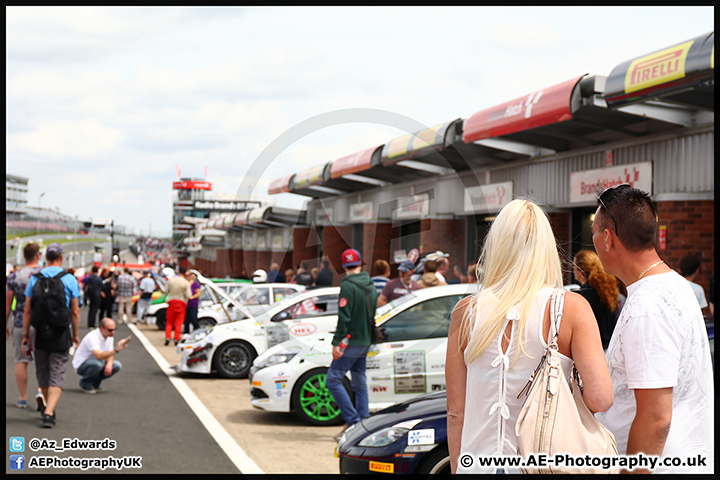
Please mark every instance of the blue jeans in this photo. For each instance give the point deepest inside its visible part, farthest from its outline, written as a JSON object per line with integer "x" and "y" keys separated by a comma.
{"x": 191, "y": 318}
{"x": 353, "y": 360}
{"x": 92, "y": 372}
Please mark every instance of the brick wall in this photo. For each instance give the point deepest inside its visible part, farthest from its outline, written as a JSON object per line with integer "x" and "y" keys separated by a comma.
{"x": 335, "y": 241}
{"x": 223, "y": 265}
{"x": 376, "y": 243}
{"x": 237, "y": 263}
{"x": 305, "y": 247}
{"x": 249, "y": 261}
{"x": 263, "y": 258}
{"x": 690, "y": 229}
{"x": 560, "y": 224}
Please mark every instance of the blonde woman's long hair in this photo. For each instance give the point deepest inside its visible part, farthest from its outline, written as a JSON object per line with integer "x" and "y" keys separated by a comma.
{"x": 519, "y": 258}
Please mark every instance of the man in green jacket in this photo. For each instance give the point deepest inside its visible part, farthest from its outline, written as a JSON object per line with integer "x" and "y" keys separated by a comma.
{"x": 356, "y": 311}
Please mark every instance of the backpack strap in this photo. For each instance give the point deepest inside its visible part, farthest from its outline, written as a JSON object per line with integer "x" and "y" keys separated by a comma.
{"x": 61, "y": 274}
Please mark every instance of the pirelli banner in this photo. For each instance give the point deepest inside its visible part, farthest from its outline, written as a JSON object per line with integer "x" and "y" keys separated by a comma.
{"x": 663, "y": 72}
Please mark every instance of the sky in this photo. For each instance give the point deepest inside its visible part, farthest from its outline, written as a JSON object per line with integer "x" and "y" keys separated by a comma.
{"x": 104, "y": 104}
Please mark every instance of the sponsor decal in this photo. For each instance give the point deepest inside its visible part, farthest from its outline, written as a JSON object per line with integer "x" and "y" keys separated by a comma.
{"x": 342, "y": 302}
{"x": 381, "y": 467}
{"x": 409, "y": 372}
{"x": 409, "y": 424}
{"x": 256, "y": 383}
{"x": 379, "y": 388}
{"x": 438, "y": 388}
{"x": 192, "y": 185}
{"x": 374, "y": 350}
{"x": 657, "y": 68}
{"x": 421, "y": 437}
{"x": 303, "y": 329}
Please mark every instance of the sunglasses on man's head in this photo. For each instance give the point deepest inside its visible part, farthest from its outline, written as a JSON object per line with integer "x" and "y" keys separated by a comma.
{"x": 600, "y": 199}
{"x": 618, "y": 187}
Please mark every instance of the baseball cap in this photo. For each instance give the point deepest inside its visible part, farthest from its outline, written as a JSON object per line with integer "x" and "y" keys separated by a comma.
{"x": 406, "y": 266}
{"x": 55, "y": 248}
{"x": 351, "y": 258}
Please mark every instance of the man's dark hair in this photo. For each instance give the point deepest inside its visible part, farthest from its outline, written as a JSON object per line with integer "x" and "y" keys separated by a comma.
{"x": 52, "y": 255}
{"x": 95, "y": 269}
{"x": 631, "y": 214}
{"x": 326, "y": 263}
{"x": 182, "y": 270}
{"x": 305, "y": 265}
{"x": 689, "y": 264}
{"x": 127, "y": 270}
{"x": 430, "y": 266}
{"x": 30, "y": 251}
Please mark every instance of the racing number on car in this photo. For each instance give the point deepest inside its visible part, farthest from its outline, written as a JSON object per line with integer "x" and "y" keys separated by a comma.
{"x": 307, "y": 306}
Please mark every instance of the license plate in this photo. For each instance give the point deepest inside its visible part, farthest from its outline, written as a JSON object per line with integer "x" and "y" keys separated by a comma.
{"x": 382, "y": 467}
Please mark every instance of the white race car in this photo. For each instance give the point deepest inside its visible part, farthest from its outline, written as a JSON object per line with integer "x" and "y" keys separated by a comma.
{"x": 410, "y": 360}
{"x": 220, "y": 305}
{"x": 230, "y": 348}
{"x": 255, "y": 297}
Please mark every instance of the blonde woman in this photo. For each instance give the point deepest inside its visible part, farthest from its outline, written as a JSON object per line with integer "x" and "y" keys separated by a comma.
{"x": 497, "y": 337}
{"x": 600, "y": 289}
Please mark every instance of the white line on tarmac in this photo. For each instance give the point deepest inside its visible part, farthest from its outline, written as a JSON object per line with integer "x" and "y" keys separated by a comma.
{"x": 236, "y": 454}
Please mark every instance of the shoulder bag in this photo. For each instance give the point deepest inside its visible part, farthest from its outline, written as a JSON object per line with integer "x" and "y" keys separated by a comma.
{"x": 376, "y": 335}
{"x": 554, "y": 419}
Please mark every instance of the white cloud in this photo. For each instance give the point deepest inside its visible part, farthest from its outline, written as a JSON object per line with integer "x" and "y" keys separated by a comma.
{"x": 67, "y": 140}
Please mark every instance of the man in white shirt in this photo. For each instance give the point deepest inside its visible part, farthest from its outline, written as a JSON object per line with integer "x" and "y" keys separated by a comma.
{"x": 94, "y": 358}
{"x": 659, "y": 354}
{"x": 147, "y": 287}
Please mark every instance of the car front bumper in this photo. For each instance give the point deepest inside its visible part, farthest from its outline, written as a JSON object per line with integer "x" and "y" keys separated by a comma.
{"x": 196, "y": 357}
{"x": 271, "y": 388}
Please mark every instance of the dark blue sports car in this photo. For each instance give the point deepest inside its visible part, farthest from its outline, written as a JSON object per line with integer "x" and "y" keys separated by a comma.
{"x": 409, "y": 437}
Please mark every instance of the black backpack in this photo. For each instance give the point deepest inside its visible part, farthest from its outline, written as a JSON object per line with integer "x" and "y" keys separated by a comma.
{"x": 49, "y": 313}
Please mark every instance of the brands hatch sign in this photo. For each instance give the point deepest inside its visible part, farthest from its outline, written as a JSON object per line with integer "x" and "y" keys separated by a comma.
{"x": 215, "y": 206}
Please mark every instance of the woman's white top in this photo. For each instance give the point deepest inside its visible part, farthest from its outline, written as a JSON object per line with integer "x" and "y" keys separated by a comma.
{"x": 491, "y": 403}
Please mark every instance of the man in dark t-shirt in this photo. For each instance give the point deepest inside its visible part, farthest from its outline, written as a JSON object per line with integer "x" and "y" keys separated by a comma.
{"x": 325, "y": 276}
{"x": 401, "y": 285}
{"x": 304, "y": 277}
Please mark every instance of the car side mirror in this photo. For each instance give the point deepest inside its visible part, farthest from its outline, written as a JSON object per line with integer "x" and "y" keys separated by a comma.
{"x": 284, "y": 315}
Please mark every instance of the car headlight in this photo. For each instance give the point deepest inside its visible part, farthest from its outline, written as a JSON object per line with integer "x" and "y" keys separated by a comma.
{"x": 280, "y": 357}
{"x": 384, "y": 437}
{"x": 198, "y": 335}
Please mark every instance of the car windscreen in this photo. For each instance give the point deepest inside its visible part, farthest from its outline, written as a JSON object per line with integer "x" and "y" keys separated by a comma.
{"x": 384, "y": 310}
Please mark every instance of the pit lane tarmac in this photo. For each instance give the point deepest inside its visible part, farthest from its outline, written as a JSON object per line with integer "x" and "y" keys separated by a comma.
{"x": 175, "y": 423}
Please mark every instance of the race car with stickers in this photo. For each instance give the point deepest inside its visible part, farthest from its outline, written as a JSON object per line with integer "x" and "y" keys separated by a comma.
{"x": 409, "y": 361}
{"x": 410, "y": 437}
{"x": 230, "y": 348}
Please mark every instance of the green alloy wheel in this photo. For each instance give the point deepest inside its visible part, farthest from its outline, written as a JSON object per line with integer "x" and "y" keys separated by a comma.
{"x": 314, "y": 403}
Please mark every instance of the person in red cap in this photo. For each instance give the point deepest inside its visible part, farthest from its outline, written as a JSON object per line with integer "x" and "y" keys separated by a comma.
{"x": 356, "y": 310}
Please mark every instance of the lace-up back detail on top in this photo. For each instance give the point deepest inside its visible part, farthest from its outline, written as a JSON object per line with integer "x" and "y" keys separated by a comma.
{"x": 491, "y": 403}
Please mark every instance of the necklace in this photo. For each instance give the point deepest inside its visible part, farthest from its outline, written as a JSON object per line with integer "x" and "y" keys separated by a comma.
{"x": 648, "y": 269}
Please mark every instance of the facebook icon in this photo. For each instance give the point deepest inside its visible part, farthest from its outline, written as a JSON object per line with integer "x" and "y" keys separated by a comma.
{"x": 17, "y": 462}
